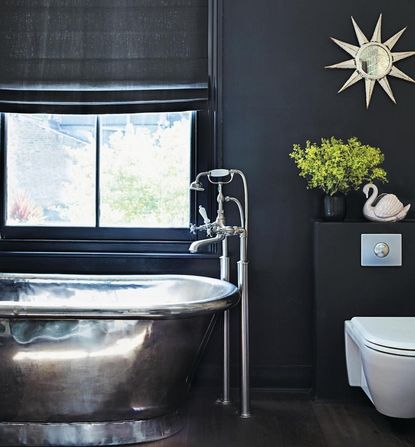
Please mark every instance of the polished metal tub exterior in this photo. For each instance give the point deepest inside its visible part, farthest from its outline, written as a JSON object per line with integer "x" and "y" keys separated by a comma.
{"x": 100, "y": 360}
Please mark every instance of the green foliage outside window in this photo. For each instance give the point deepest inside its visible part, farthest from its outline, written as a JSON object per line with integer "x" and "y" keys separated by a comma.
{"x": 144, "y": 170}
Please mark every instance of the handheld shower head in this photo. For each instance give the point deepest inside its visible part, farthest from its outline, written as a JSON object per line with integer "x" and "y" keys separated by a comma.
{"x": 215, "y": 176}
{"x": 196, "y": 186}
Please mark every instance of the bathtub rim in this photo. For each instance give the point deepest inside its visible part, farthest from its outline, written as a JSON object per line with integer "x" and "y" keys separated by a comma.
{"x": 187, "y": 309}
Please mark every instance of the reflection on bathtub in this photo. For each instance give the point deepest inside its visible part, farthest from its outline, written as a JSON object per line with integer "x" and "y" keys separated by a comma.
{"x": 120, "y": 348}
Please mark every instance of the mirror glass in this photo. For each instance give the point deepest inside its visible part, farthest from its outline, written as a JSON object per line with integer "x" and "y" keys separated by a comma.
{"x": 374, "y": 61}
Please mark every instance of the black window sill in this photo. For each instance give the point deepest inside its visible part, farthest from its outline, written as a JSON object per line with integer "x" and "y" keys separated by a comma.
{"x": 180, "y": 247}
{"x": 117, "y": 263}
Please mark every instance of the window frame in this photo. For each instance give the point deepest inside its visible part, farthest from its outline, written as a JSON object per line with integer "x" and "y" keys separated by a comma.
{"x": 68, "y": 238}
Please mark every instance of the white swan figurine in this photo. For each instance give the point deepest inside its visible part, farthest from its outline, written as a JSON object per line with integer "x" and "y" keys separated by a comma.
{"x": 383, "y": 208}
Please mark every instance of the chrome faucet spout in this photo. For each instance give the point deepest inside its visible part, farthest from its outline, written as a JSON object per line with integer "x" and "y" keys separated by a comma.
{"x": 194, "y": 246}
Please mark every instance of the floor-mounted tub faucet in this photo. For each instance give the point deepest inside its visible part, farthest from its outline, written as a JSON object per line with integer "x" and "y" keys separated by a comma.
{"x": 218, "y": 231}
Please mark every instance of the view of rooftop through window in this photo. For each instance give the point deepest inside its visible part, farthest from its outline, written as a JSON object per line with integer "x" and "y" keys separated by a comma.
{"x": 143, "y": 162}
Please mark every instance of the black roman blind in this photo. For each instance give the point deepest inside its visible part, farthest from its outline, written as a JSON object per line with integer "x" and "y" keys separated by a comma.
{"x": 103, "y": 55}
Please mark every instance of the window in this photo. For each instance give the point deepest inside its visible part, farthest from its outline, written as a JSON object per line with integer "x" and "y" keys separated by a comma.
{"x": 97, "y": 172}
{"x": 101, "y": 134}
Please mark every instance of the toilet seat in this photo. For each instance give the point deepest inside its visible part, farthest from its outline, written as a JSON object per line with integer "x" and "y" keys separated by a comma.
{"x": 389, "y": 335}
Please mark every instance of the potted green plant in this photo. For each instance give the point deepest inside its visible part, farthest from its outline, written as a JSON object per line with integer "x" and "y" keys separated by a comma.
{"x": 337, "y": 167}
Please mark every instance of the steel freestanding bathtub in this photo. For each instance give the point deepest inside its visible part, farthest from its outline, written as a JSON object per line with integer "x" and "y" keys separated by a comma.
{"x": 100, "y": 360}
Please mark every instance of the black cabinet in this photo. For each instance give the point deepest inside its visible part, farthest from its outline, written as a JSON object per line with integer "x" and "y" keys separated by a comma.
{"x": 344, "y": 289}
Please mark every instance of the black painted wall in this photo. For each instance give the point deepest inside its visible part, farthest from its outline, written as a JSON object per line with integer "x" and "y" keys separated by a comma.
{"x": 276, "y": 93}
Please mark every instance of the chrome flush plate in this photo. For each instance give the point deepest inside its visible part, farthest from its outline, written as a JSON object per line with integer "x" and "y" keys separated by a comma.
{"x": 381, "y": 250}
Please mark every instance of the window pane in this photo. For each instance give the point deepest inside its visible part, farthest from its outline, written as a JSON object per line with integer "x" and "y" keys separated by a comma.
{"x": 145, "y": 170}
{"x": 50, "y": 170}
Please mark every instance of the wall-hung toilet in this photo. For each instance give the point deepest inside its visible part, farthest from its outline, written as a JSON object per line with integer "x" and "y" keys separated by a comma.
{"x": 380, "y": 356}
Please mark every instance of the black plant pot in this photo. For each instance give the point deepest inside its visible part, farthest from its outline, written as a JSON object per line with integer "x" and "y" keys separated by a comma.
{"x": 334, "y": 207}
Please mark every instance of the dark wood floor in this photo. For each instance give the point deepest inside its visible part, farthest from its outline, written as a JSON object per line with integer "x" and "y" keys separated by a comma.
{"x": 289, "y": 420}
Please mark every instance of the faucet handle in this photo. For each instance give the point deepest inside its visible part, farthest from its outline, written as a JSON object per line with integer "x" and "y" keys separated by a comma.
{"x": 208, "y": 227}
{"x": 202, "y": 212}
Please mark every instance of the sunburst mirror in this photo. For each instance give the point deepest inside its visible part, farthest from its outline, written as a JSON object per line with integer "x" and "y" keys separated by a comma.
{"x": 373, "y": 60}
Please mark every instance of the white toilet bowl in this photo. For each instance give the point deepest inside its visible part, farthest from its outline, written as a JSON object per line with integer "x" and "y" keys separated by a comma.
{"x": 380, "y": 356}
